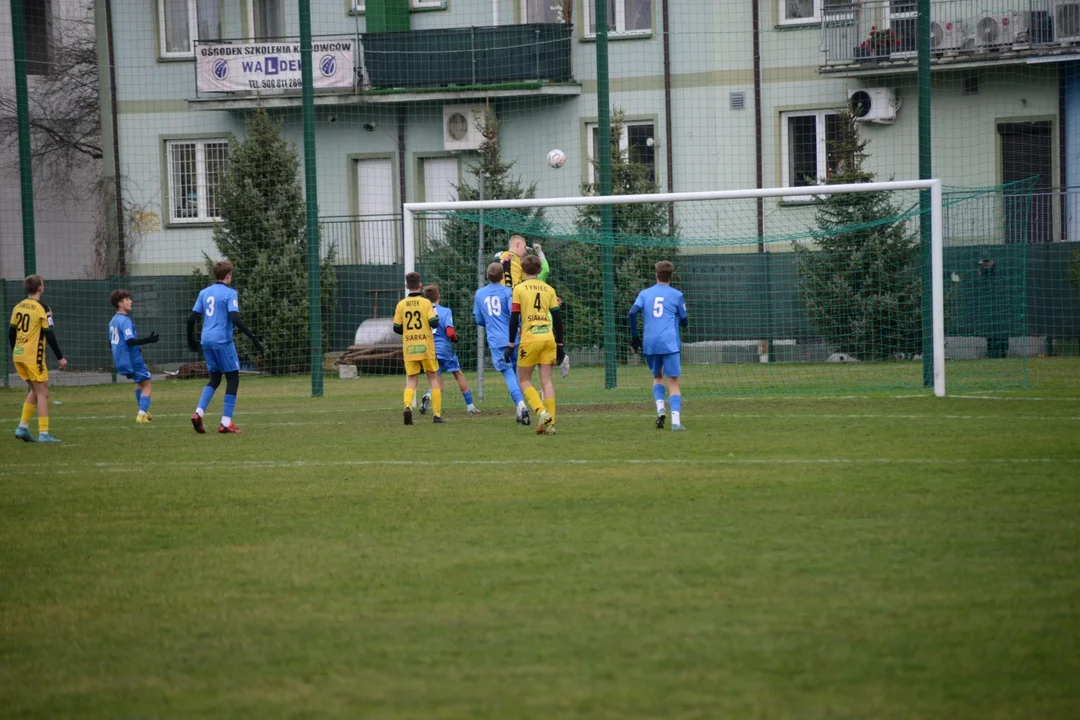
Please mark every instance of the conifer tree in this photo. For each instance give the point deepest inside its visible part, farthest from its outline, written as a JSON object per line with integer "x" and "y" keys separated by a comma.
{"x": 861, "y": 286}
{"x": 263, "y": 233}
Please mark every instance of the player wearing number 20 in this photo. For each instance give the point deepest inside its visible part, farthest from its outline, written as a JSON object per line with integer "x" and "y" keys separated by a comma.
{"x": 664, "y": 312}
{"x": 414, "y": 320}
{"x": 127, "y": 357}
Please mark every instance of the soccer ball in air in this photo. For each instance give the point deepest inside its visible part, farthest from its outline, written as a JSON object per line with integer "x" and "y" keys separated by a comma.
{"x": 556, "y": 158}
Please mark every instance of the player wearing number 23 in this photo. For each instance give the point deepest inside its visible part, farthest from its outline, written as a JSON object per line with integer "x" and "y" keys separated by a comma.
{"x": 414, "y": 319}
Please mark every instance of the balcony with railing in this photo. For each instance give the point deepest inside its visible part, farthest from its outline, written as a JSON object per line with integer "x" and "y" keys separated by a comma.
{"x": 528, "y": 59}
{"x": 882, "y": 35}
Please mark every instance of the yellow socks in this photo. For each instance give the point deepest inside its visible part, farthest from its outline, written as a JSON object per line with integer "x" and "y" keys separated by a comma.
{"x": 549, "y": 405}
{"x": 43, "y": 424}
{"x": 27, "y": 412}
{"x": 410, "y": 393}
{"x": 436, "y": 402}
{"x": 532, "y": 399}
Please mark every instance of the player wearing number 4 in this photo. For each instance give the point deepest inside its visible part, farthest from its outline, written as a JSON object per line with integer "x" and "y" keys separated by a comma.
{"x": 536, "y": 308}
{"x": 127, "y": 357}
{"x": 444, "y": 352}
{"x": 491, "y": 310}
{"x": 219, "y": 307}
{"x": 30, "y": 328}
{"x": 414, "y": 321}
{"x": 664, "y": 312}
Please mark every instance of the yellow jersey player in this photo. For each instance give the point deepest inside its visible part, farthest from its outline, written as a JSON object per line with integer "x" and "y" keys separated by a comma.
{"x": 511, "y": 261}
{"x": 30, "y": 328}
{"x": 414, "y": 320}
{"x": 536, "y": 308}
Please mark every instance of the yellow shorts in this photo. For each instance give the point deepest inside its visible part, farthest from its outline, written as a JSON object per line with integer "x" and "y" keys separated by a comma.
{"x": 535, "y": 353}
{"x": 413, "y": 367}
{"x": 31, "y": 373}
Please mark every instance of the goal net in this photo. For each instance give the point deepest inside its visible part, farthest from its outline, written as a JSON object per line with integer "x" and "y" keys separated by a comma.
{"x": 877, "y": 287}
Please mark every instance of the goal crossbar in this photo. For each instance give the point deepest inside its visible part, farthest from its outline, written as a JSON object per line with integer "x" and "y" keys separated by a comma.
{"x": 934, "y": 186}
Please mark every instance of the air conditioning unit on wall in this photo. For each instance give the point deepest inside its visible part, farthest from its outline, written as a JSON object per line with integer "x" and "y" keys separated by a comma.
{"x": 947, "y": 35}
{"x": 877, "y": 105}
{"x": 1003, "y": 29}
{"x": 460, "y": 127}
{"x": 1066, "y": 21}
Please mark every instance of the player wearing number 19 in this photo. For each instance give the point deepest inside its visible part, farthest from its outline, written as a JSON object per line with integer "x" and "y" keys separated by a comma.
{"x": 664, "y": 312}
{"x": 219, "y": 307}
{"x": 491, "y": 310}
{"x": 535, "y": 306}
{"x": 127, "y": 357}
{"x": 30, "y": 328}
{"x": 414, "y": 320}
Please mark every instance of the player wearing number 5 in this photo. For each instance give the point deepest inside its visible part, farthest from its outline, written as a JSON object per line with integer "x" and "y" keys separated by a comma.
{"x": 536, "y": 308}
{"x": 30, "y": 328}
{"x": 219, "y": 307}
{"x": 664, "y": 312}
{"x": 414, "y": 321}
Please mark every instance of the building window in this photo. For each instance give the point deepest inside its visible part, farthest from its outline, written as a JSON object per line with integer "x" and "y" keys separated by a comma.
{"x": 541, "y": 11}
{"x": 267, "y": 19}
{"x": 358, "y": 6}
{"x": 807, "y": 12}
{"x": 37, "y": 21}
{"x": 196, "y": 171}
{"x": 624, "y": 17}
{"x": 637, "y": 144}
{"x": 808, "y": 155}
{"x": 378, "y": 242}
{"x": 182, "y": 22}
{"x": 427, "y": 4}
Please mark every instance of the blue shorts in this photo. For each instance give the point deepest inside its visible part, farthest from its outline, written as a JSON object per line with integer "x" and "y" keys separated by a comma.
{"x": 449, "y": 364}
{"x": 668, "y": 365}
{"x": 500, "y": 364}
{"x": 221, "y": 359}
{"x": 137, "y": 373}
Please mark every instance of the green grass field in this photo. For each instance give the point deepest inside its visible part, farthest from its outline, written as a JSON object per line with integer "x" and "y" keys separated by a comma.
{"x": 855, "y": 557}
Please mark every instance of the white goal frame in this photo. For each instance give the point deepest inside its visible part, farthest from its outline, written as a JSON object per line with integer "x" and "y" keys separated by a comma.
{"x": 937, "y": 283}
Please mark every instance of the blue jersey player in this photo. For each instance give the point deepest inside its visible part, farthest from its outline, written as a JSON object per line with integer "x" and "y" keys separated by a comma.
{"x": 127, "y": 357}
{"x": 664, "y": 311}
{"x": 444, "y": 352}
{"x": 491, "y": 310}
{"x": 219, "y": 308}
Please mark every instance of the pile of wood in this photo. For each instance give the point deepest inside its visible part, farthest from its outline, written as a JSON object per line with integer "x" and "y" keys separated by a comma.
{"x": 382, "y": 358}
{"x": 193, "y": 370}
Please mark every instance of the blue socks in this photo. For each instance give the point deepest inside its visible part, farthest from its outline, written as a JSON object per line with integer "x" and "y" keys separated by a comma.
{"x": 138, "y": 396}
{"x": 676, "y": 403}
{"x": 468, "y": 397}
{"x": 230, "y": 405}
{"x": 510, "y": 374}
{"x": 144, "y": 403}
{"x": 207, "y": 396}
{"x": 658, "y": 394}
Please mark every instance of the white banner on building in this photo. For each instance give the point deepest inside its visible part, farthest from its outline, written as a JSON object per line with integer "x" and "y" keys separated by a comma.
{"x": 271, "y": 66}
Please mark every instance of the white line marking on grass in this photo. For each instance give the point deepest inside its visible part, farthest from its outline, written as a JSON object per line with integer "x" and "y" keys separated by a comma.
{"x": 139, "y": 466}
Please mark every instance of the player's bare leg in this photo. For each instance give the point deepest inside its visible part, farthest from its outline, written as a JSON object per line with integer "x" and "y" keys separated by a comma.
{"x": 435, "y": 383}
{"x": 144, "y": 402}
{"x": 675, "y": 393}
{"x": 411, "y": 382}
{"x": 547, "y": 384}
{"x": 29, "y": 405}
{"x": 41, "y": 390}
{"x": 658, "y": 396}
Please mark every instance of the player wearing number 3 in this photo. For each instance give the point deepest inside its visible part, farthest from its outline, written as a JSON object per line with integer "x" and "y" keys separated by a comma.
{"x": 414, "y": 320}
{"x": 664, "y": 311}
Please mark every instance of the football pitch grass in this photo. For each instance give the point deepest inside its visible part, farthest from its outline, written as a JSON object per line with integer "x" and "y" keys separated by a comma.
{"x": 855, "y": 557}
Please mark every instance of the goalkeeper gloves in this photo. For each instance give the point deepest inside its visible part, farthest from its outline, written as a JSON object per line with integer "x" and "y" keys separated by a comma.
{"x": 635, "y": 343}
{"x": 508, "y": 353}
{"x": 560, "y": 354}
{"x": 152, "y": 337}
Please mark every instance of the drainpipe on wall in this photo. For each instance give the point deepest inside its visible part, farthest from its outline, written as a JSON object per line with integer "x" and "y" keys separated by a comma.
{"x": 401, "y": 172}
{"x": 121, "y": 250}
{"x": 495, "y": 13}
{"x": 668, "y": 134}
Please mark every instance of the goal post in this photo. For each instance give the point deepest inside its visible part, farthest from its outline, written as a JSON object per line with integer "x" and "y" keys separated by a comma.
{"x": 417, "y": 213}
